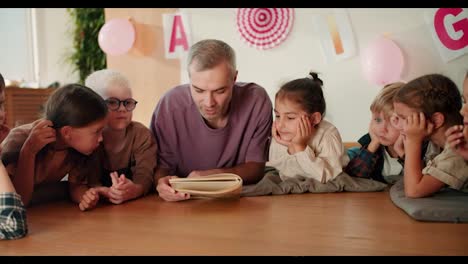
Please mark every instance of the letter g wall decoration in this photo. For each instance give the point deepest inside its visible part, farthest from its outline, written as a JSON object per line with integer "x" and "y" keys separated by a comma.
{"x": 449, "y": 28}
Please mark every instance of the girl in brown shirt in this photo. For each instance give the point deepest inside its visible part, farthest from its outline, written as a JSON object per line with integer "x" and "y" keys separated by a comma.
{"x": 59, "y": 144}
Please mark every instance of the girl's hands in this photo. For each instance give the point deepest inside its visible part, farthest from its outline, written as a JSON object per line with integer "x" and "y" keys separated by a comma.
{"x": 375, "y": 142}
{"x": 276, "y": 136}
{"x": 122, "y": 189}
{"x": 304, "y": 133}
{"x": 457, "y": 141}
{"x": 41, "y": 134}
{"x": 417, "y": 127}
{"x": 89, "y": 199}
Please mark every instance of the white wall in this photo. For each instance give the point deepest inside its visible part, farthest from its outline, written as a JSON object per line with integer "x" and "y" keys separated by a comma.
{"x": 55, "y": 42}
{"x": 15, "y": 45}
{"x": 347, "y": 93}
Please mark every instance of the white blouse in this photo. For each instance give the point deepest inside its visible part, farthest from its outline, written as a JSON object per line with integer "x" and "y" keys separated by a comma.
{"x": 322, "y": 160}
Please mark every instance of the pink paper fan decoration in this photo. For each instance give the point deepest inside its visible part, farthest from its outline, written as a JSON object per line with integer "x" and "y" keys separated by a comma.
{"x": 264, "y": 28}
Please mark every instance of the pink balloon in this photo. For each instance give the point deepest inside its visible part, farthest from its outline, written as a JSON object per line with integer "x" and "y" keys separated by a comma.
{"x": 382, "y": 61}
{"x": 117, "y": 36}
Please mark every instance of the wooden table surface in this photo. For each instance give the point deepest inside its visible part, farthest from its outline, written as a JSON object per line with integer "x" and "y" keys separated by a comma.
{"x": 299, "y": 225}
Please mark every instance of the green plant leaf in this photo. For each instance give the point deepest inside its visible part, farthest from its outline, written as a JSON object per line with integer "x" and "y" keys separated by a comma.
{"x": 87, "y": 56}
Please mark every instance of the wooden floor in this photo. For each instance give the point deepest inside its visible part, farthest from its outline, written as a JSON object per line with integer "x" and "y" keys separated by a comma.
{"x": 299, "y": 225}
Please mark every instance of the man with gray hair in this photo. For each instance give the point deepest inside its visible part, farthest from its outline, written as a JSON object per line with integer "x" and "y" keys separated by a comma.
{"x": 212, "y": 125}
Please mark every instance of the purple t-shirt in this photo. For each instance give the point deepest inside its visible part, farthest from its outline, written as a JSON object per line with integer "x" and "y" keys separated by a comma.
{"x": 186, "y": 143}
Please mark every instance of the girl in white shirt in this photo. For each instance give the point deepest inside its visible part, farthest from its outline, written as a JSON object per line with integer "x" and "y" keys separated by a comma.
{"x": 304, "y": 145}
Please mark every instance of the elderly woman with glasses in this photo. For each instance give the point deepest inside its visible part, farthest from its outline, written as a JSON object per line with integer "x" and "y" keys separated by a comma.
{"x": 128, "y": 151}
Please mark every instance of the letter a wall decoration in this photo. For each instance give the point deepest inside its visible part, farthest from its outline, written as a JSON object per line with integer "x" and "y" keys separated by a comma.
{"x": 177, "y": 37}
{"x": 449, "y": 30}
{"x": 336, "y": 35}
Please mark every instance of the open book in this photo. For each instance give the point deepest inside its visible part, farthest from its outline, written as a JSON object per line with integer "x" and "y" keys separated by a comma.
{"x": 222, "y": 185}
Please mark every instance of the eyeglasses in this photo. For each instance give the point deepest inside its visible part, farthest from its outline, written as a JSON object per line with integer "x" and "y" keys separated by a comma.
{"x": 114, "y": 103}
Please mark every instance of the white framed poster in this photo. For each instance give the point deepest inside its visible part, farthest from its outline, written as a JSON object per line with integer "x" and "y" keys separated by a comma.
{"x": 336, "y": 35}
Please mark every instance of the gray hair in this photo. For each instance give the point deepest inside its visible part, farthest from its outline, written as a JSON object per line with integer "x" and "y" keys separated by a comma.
{"x": 209, "y": 53}
{"x": 101, "y": 80}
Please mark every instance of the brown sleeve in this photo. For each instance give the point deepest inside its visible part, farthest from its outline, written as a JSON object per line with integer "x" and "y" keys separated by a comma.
{"x": 12, "y": 144}
{"x": 4, "y": 130}
{"x": 144, "y": 152}
{"x": 86, "y": 169}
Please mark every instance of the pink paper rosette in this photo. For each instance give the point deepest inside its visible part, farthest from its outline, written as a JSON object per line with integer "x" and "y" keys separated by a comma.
{"x": 264, "y": 28}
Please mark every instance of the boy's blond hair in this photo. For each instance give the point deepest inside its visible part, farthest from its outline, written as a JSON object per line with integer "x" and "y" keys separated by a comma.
{"x": 383, "y": 102}
{"x": 101, "y": 80}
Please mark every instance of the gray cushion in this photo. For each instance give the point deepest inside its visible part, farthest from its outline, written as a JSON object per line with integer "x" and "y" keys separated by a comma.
{"x": 272, "y": 184}
{"x": 447, "y": 205}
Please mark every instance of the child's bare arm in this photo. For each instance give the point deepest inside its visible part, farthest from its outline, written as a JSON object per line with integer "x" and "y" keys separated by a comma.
{"x": 305, "y": 131}
{"x": 5, "y": 182}
{"x": 13, "y": 223}
{"x": 456, "y": 140}
{"x": 416, "y": 184}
